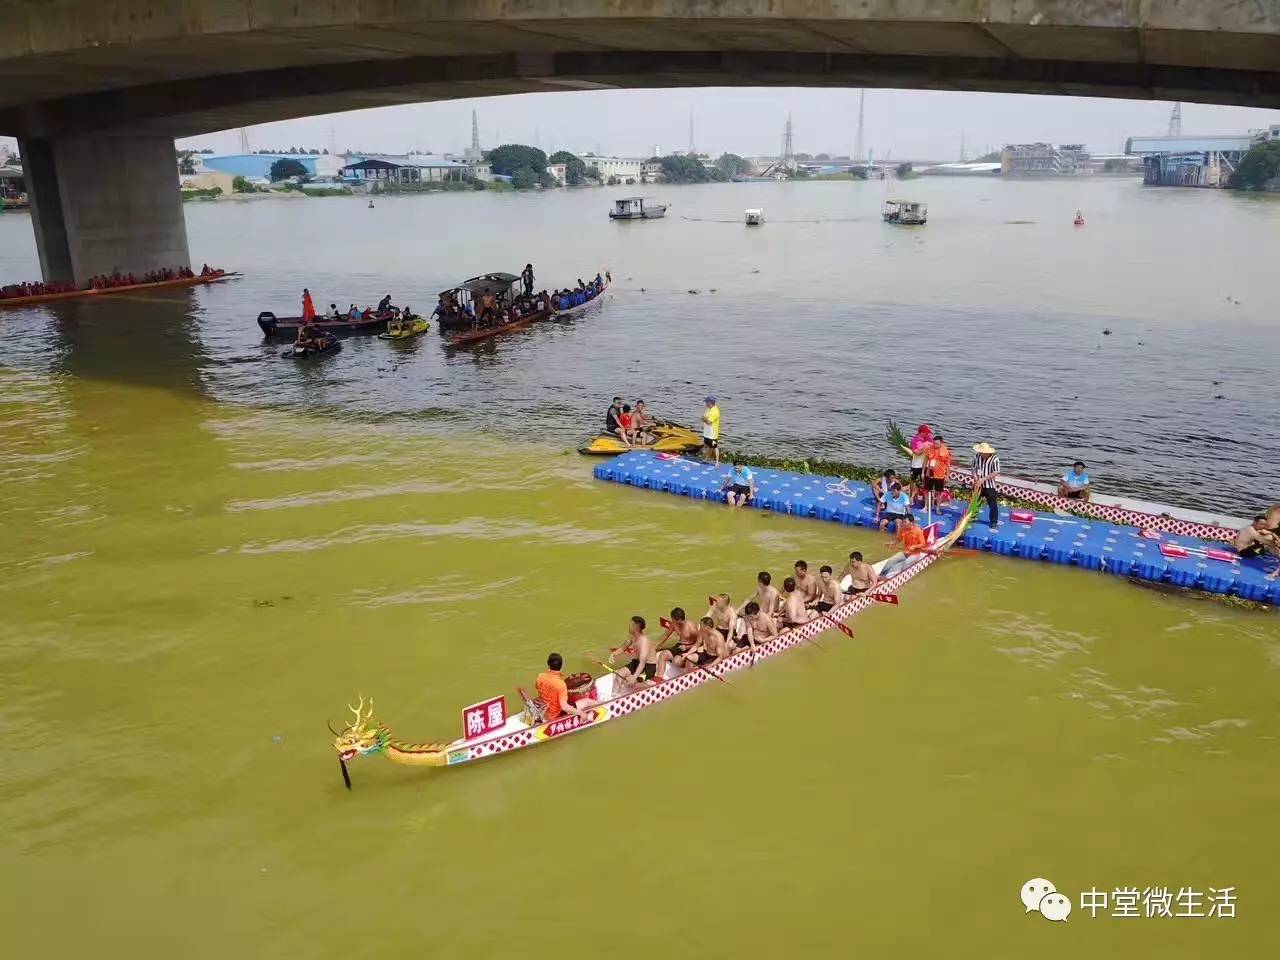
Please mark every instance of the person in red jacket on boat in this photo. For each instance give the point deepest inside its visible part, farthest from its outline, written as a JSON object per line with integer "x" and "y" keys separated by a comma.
{"x": 308, "y": 308}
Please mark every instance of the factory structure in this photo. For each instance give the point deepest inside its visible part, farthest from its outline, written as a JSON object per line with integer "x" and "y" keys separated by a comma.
{"x": 1195, "y": 161}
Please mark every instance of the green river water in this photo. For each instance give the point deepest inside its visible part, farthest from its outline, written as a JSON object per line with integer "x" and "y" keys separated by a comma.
{"x": 191, "y": 590}
{"x": 206, "y": 553}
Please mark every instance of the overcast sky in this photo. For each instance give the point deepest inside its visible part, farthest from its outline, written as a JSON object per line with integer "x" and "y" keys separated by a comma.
{"x": 905, "y": 124}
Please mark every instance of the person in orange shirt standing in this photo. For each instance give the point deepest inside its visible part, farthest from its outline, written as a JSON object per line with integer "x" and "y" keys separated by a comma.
{"x": 910, "y": 536}
{"x": 937, "y": 465}
{"x": 308, "y": 308}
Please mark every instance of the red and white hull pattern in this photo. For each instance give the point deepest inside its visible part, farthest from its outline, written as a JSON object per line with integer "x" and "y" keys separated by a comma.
{"x": 1105, "y": 511}
{"x": 507, "y": 740}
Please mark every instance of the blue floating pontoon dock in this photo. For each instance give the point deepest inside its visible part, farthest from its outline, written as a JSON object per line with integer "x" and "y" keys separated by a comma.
{"x": 1071, "y": 541}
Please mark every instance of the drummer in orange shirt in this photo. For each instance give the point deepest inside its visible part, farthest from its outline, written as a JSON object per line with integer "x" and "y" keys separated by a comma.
{"x": 554, "y": 692}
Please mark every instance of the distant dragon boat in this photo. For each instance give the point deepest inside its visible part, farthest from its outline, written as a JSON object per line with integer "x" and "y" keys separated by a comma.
{"x": 497, "y": 734}
{"x": 1119, "y": 510}
{"x": 215, "y": 277}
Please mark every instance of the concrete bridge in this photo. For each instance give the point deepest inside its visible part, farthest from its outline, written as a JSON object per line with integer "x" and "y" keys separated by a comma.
{"x": 97, "y": 89}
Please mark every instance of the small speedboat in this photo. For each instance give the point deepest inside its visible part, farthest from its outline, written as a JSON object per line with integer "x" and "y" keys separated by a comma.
{"x": 295, "y": 352}
{"x": 405, "y": 328}
{"x": 287, "y": 327}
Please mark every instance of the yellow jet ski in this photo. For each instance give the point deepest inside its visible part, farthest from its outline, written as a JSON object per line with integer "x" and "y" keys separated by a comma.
{"x": 405, "y": 328}
{"x": 668, "y": 438}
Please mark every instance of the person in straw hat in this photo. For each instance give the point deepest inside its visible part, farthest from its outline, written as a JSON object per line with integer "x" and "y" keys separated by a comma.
{"x": 986, "y": 467}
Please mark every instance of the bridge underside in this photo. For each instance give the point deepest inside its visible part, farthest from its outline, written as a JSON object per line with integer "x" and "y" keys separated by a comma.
{"x": 184, "y": 68}
{"x": 188, "y": 107}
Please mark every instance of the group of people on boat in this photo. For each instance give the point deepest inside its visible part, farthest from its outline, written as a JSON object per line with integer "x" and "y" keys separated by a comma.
{"x": 35, "y": 288}
{"x": 486, "y": 310}
{"x": 725, "y": 629}
{"x": 103, "y": 281}
{"x": 353, "y": 313}
{"x": 568, "y": 298}
{"x": 118, "y": 279}
{"x": 631, "y": 424}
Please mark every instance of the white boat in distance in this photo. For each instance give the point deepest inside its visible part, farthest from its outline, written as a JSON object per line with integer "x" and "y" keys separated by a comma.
{"x": 637, "y": 208}
{"x": 755, "y": 217}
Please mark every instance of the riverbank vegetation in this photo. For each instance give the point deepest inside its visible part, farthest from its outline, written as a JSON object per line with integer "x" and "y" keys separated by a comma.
{"x": 1259, "y": 169}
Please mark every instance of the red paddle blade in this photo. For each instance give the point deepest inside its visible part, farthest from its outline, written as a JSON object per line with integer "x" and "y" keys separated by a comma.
{"x": 665, "y": 623}
{"x": 890, "y": 598}
{"x": 838, "y": 625}
{"x": 711, "y": 600}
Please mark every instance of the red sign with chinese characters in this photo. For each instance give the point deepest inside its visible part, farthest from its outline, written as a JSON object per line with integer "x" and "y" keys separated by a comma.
{"x": 481, "y": 718}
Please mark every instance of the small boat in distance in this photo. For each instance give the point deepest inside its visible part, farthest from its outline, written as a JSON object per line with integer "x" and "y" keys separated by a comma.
{"x": 1079, "y": 221}
{"x": 755, "y": 217}
{"x": 637, "y": 208}
{"x": 910, "y": 212}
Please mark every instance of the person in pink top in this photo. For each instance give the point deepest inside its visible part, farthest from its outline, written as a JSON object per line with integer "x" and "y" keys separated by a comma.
{"x": 919, "y": 445}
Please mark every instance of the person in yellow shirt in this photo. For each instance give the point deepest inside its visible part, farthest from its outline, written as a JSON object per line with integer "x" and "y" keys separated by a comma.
{"x": 711, "y": 429}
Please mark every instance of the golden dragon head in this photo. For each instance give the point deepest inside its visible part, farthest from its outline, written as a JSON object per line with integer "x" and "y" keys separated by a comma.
{"x": 361, "y": 737}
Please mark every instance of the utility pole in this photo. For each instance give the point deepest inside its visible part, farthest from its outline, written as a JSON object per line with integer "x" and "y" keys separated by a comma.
{"x": 1175, "y": 121}
{"x": 693, "y": 148}
{"x": 244, "y": 140}
{"x": 862, "y": 102}
{"x": 475, "y": 138}
{"x": 786, "y": 145}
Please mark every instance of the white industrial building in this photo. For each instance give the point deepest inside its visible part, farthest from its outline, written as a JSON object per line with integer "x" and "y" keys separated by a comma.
{"x": 626, "y": 169}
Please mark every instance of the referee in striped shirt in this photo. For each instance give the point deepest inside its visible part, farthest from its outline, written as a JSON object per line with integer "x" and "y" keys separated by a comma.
{"x": 986, "y": 467}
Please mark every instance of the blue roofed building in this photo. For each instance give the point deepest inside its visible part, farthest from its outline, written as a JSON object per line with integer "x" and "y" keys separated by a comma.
{"x": 401, "y": 169}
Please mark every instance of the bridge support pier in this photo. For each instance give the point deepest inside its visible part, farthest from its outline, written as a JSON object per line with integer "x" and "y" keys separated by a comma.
{"x": 103, "y": 202}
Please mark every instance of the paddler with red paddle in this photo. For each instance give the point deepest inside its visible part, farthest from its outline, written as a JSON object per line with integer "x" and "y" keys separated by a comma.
{"x": 644, "y": 656}
{"x": 709, "y": 650}
{"x": 862, "y": 575}
{"x": 686, "y": 638}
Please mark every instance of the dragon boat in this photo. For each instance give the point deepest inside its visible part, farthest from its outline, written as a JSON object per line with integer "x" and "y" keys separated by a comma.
{"x": 1121, "y": 510}
{"x": 497, "y": 734}
{"x": 91, "y": 292}
{"x": 582, "y": 307}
